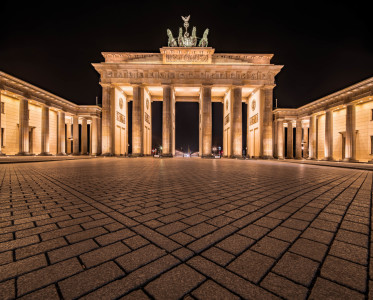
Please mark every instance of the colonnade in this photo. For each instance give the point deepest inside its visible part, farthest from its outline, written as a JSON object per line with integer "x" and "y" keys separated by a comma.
{"x": 64, "y": 135}
{"x": 306, "y": 136}
{"x": 109, "y": 107}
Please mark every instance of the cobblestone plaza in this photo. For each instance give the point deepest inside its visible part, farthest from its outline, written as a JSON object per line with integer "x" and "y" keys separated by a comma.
{"x": 142, "y": 228}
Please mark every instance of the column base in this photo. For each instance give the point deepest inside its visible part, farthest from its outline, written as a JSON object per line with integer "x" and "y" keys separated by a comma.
{"x": 62, "y": 154}
{"x": 289, "y": 157}
{"x": 167, "y": 155}
{"x": 45, "y": 154}
{"x": 328, "y": 159}
{"x": 350, "y": 160}
{"x": 24, "y": 154}
{"x": 136, "y": 155}
{"x": 266, "y": 157}
{"x": 2, "y": 154}
{"x": 207, "y": 156}
{"x": 103, "y": 154}
{"x": 237, "y": 156}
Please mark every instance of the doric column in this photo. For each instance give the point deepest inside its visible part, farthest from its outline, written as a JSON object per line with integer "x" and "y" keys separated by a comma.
{"x": 350, "y": 151}
{"x": 61, "y": 133}
{"x": 248, "y": 110}
{"x": 44, "y": 130}
{"x": 68, "y": 137}
{"x": 305, "y": 142}
{"x": 84, "y": 137}
{"x": 298, "y": 139}
{"x": 94, "y": 136}
{"x": 266, "y": 105}
{"x": 280, "y": 139}
{"x": 76, "y": 135}
{"x": 236, "y": 121}
{"x": 312, "y": 138}
{"x": 206, "y": 110}
{"x": 167, "y": 121}
{"x": 1, "y": 112}
{"x": 23, "y": 127}
{"x": 108, "y": 119}
{"x": 328, "y": 144}
{"x": 138, "y": 121}
{"x": 289, "y": 153}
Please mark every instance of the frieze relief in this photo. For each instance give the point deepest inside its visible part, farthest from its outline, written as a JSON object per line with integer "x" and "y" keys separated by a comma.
{"x": 268, "y": 76}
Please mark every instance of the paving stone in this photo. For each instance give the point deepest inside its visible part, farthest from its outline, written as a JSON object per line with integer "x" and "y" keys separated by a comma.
{"x": 284, "y": 287}
{"x": 297, "y": 268}
{"x": 200, "y": 230}
{"x": 6, "y": 257}
{"x": 211, "y": 290}
{"x": 318, "y": 235}
{"x": 136, "y": 295}
{"x": 284, "y": 233}
{"x": 71, "y": 250}
{"x": 88, "y": 280}
{"x": 235, "y": 244}
{"x": 251, "y": 265}
{"x": 310, "y": 249}
{"x": 175, "y": 283}
{"x": 134, "y": 279}
{"x": 113, "y": 237}
{"x": 10, "y": 245}
{"x": 350, "y": 252}
{"x": 104, "y": 254}
{"x": 345, "y": 272}
{"x": 254, "y": 231}
{"x": 270, "y": 246}
{"x": 7, "y": 289}
{"x": 22, "y": 266}
{"x": 325, "y": 289}
{"x": 219, "y": 256}
{"x": 50, "y": 293}
{"x": 136, "y": 242}
{"x": 140, "y": 257}
{"x": 43, "y": 277}
{"x": 229, "y": 280}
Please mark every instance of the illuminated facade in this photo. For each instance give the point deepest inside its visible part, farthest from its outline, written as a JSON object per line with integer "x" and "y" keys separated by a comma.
{"x": 34, "y": 121}
{"x": 337, "y": 127}
{"x": 188, "y": 74}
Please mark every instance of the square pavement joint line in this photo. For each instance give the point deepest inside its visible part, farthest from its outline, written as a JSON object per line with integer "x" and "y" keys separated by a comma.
{"x": 156, "y": 229}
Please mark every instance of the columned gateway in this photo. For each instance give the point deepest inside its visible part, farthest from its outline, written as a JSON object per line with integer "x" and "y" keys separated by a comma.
{"x": 189, "y": 71}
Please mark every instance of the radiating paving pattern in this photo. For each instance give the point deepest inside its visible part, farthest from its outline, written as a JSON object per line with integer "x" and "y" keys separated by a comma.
{"x": 166, "y": 229}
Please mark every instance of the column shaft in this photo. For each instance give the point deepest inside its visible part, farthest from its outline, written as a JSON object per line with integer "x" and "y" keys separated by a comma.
{"x": 75, "y": 135}
{"x": 312, "y": 138}
{"x": 266, "y": 122}
{"x": 236, "y": 121}
{"x": 138, "y": 121}
{"x": 61, "y": 133}
{"x": 68, "y": 138}
{"x": 108, "y": 119}
{"x": 1, "y": 112}
{"x": 350, "y": 150}
{"x": 289, "y": 153}
{"x": 23, "y": 127}
{"x": 298, "y": 140}
{"x": 280, "y": 139}
{"x": 94, "y": 136}
{"x": 328, "y": 144}
{"x": 167, "y": 121}
{"x": 45, "y": 130}
{"x": 305, "y": 142}
{"x": 84, "y": 137}
{"x": 206, "y": 121}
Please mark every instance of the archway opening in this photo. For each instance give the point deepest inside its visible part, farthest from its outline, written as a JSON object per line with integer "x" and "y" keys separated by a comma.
{"x": 186, "y": 128}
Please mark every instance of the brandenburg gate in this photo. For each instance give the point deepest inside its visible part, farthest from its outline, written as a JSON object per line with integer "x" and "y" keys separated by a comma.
{"x": 192, "y": 72}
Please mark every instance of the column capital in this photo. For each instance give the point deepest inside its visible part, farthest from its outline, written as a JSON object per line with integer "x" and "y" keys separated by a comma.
{"x": 268, "y": 87}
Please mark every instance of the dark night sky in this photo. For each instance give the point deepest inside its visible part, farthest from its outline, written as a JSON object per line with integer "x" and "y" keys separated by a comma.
{"x": 323, "y": 47}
